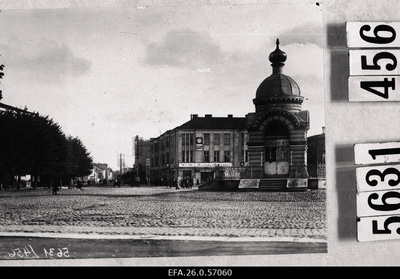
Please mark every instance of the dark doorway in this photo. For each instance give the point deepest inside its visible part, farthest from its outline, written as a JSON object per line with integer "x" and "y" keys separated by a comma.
{"x": 277, "y": 151}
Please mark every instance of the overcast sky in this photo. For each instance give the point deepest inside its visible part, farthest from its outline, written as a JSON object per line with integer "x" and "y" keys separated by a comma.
{"x": 108, "y": 74}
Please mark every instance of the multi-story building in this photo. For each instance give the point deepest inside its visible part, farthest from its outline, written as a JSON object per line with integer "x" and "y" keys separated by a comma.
{"x": 196, "y": 149}
{"x": 316, "y": 165}
{"x": 141, "y": 152}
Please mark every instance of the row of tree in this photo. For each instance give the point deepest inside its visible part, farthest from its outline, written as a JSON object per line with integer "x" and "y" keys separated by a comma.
{"x": 34, "y": 144}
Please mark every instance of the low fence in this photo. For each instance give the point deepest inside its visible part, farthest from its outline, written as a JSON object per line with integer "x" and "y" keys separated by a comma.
{"x": 317, "y": 170}
{"x": 249, "y": 172}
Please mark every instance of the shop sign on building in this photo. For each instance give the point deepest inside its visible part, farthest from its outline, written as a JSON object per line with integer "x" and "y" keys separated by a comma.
{"x": 204, "y": 165}
{"x": 199, "y": 143}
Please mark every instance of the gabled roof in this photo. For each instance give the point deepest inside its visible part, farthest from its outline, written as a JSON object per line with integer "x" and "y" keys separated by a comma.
{"x": 209, "y": 122}
{"x": 100, "y": 166}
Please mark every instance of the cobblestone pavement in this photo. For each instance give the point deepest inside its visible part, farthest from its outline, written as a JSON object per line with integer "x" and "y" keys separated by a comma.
{"x": 161, "y": 211}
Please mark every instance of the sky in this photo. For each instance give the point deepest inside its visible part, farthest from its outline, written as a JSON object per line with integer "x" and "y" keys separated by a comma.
{"x": 109, "y": 74}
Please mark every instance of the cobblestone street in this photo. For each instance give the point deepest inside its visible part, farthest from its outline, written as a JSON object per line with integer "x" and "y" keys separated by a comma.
{"x": 161, "y": 211}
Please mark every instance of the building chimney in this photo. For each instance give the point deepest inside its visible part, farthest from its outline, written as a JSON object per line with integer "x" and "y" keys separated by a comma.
{"x": 323, "y": 129}
{"x": 230, "y": 115}
{"x": 193, "y": 116}
{"x": 208, "y": 115}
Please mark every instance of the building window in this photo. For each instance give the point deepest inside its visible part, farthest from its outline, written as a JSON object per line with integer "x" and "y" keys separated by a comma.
{"x": 246, "y": 155}
{"x": 227, "y": 139}
{"x": 187, "y": 156}
{"x": 183, "y": 139}
{"x": 187, "y": 139}
{"x": 217, "y": 139}
{"x": 207, "y": 156}
{"x": 216, "y": 156}
{"x": 187, "y": 147}
{"x": 227, "y": 156}
{"x": 206, "y": 139}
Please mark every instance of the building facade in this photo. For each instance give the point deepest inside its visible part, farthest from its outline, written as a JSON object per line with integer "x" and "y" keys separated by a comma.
{"x": 316, "y": 155}
{"x": 100, "y": 172}
{"x": 199, "y": 148}
{"x": 141, "y": 152}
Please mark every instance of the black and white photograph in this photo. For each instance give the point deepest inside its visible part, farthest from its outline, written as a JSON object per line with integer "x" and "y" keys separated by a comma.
{"x": 171, "y": 131}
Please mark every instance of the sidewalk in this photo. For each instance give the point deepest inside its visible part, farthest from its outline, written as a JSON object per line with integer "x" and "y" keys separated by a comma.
{"x": 209, "y": 234}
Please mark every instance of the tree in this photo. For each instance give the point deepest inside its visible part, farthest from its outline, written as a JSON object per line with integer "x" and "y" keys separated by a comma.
{"x": 34, "y": 144}
{"x": 79, "y": 161}
{"x": 31, "y": 144}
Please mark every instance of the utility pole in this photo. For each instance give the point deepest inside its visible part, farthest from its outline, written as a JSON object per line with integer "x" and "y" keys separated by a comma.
{"x": 1, "y": 76}
{"x": 137, "y": 156}
{"x": 120, "y": 163}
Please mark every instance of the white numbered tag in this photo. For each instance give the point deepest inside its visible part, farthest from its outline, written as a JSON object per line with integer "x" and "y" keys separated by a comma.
{"x": 378, "y": 203}
{"x": 374, "y": 88}
{"x": 378, "y": 178}
{"x": 376, "y": 153}
{"x": 378, "y": 228}
{"x": 373, "y": 34}
{"x": 374, "y": 62}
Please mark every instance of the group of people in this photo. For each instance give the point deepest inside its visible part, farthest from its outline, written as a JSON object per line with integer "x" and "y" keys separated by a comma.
{"x": 55, "y": 187}
{"x": 180, "y": 182}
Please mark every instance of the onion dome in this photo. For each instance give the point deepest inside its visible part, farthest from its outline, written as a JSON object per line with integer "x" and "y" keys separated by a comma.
{"x": 277, "y": 84}
{"x": 277, "y": 57}
{"x": 278, "y": 90}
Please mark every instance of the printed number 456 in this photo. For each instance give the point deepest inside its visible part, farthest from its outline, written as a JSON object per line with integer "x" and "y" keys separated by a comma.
{"x": 377, "y": 38}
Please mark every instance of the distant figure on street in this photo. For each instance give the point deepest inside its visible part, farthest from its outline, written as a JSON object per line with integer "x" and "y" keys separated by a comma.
{"x": 54, "y": 187}
{"x": 117, "y": 183}
{"x": 178, "y": 182}
{"x": 79, "y": 184}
